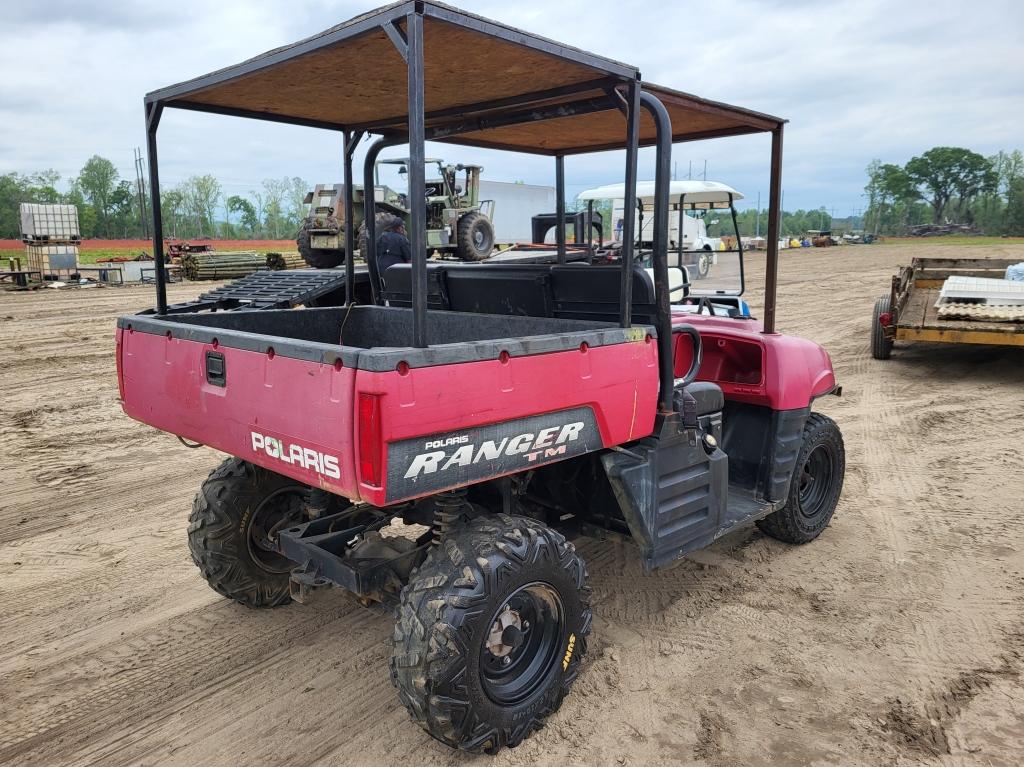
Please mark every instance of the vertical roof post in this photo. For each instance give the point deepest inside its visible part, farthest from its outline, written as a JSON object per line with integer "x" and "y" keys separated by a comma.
{"x": 771, "y": 277}
{"x": 560, "y": 206}
{"x": 153, "y": 112}
{"x": 629, "y": 211}
{"x": 417, "y": 179}
{"x": 349, "y": 209}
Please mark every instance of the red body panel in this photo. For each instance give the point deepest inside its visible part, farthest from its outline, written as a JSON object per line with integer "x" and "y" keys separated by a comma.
{"x": 163, "y": 382}
{"x": 776, "y": 371}
{"x": 292, "y": 416}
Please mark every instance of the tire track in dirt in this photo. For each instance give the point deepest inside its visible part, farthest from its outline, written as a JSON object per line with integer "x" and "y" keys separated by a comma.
{"x": 116, "y": 653}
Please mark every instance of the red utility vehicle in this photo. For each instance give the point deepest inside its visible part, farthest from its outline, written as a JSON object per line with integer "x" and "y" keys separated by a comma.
{"x": 435, "y": 447}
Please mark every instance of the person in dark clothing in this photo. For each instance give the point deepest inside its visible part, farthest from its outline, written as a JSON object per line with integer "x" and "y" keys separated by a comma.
{"x": 393, "y": 247}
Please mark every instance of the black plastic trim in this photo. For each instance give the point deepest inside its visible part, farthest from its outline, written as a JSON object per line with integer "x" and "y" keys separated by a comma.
{"x": 189, "y": 327}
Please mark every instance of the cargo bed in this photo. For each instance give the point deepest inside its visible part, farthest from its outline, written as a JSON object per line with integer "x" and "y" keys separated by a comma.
{"x": 336, "y": 397}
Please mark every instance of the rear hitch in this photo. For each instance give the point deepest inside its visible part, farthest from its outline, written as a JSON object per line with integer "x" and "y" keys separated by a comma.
{"x": 304, "y": 580}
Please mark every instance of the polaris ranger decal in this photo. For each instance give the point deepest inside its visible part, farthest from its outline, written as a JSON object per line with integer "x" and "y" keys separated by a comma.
{"x": 296, "y": 455}
{"x": 426, "y": 464}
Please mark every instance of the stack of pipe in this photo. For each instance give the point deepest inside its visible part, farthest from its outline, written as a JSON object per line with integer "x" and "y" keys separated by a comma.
{"x": 278, "y": 261}
{"x": 221, "y": 266}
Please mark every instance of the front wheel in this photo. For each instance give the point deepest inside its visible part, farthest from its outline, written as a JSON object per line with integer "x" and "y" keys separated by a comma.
{"x": 474, "y": 239}
{"x": 233, "y": 526}
{"x": 491, "y": 631}
{"x": 815, "y": 487}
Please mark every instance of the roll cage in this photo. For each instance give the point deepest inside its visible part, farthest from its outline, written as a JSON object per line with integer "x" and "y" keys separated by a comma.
{"x": 546, "y": 98}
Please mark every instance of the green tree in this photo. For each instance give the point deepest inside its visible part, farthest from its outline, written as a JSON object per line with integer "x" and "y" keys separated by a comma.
{"x": 275, "y": 194}
{"x": 246, "y": 212}
{"x": 98, "y": 182}
{"x": 946, "y": 172}
{"x": 1013, "y": 221}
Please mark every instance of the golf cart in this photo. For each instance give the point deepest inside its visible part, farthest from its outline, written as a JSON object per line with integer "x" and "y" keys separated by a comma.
{"x": 689, "y": 202}
{"x": 583, "y": 403}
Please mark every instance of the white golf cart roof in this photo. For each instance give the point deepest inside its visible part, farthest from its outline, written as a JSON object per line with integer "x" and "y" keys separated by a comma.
{"x": 695, "y": 194}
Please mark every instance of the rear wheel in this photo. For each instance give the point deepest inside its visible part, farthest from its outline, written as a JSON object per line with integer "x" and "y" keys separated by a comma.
{"x": 491, "y": 631}
{"x": 233, "y": 526}
{"x": 318, "y": 258}
{"x": 881, "y": 345}
{"x": 475, "y": 238}
{"x": 815, "y": 487}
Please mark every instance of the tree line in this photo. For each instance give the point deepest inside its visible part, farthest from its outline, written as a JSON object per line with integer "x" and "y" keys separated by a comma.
{"x": 110, "y": 207}
{"x": 947, "y": 185}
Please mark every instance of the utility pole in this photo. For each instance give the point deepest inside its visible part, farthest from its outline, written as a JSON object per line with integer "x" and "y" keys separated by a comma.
{"x": 757, "y": 231}
{"x": 689, "y": 173}
{"x": 705, "y": 170}
{"x": 140, "y": 185}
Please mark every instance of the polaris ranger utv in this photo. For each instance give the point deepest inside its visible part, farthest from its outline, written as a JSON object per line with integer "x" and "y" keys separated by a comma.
{"x": 584, "y": 401}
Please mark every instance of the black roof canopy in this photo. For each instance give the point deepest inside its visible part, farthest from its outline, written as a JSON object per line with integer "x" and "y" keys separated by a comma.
{"x": 485, "y": 84}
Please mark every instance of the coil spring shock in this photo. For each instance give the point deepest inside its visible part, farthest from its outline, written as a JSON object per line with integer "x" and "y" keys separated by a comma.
{"x": 449, "y": 512}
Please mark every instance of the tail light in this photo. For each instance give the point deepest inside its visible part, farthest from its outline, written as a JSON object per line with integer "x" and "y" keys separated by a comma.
{"x": 120, "y": 364}
{"x": 885, "y": 319}
{"x": 370, "y": 447}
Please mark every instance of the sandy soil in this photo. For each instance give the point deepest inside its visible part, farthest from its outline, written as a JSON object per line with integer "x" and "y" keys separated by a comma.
{"x": 896, "y": 638}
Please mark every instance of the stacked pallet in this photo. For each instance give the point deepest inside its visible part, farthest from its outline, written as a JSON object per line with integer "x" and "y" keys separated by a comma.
{"x": 221, "y": 266}
{"x": 279, "y": 261}
{"x": 51, "y": 237}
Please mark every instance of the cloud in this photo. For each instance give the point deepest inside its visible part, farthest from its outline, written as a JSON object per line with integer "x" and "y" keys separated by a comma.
{"x": 857, "y": 80}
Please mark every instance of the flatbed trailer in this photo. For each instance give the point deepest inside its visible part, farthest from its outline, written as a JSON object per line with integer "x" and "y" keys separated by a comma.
{"x": 910, "y": 311}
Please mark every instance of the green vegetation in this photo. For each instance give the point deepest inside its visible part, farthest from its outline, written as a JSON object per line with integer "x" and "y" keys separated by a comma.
{"x": 948, "y": 185}
{"x": 109, "y": 206}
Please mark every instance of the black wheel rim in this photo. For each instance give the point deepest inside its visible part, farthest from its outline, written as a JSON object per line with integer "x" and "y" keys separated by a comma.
{"x": 532, "y": 643}
{"x": 282, "y": 508}
{"x": 815, "y": 481}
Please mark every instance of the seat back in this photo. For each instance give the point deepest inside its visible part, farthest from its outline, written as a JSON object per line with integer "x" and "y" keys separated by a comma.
{"x": 568, "y": 291}
{"x": 593, "y": 293}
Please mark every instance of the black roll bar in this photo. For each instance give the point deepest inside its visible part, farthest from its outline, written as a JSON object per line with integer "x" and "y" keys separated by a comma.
{"x": 370, "y": 208}
{"x": 662, "y": 176}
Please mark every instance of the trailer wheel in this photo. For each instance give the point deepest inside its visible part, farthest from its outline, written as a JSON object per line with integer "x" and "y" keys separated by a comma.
{"x": 475, "y": 239}
{"x": 235, "y": 516}
{"x": 881, "y": 345}
{"x": 815, "y": 487}
{"x": 318, "y": 258}
{"x": 491, "y": 631}
{"x": 704, "y": 260}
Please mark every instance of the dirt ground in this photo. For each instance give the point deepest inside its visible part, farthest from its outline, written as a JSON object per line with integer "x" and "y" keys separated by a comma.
{"x": 896, "y": 638}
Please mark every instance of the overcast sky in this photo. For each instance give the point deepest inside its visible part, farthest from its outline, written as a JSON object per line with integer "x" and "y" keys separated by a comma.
{"x": 857, "y": 80}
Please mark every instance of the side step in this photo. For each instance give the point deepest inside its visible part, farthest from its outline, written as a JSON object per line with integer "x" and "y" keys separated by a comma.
{"x": 672, "y": 491}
